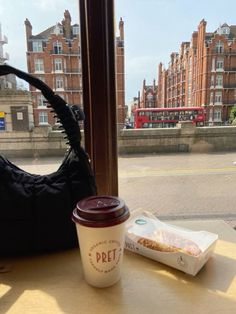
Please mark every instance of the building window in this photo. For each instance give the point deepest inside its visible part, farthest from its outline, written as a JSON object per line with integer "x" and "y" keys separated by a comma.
{"x": 59, "y": 82}
{"x": 58, "y": 64}
{"x": 38, "y": 65}
{"x": 149, "y": 104}
{"x": 41, "y": 78}
{"x": 149, "y": 97}
{"x": 218, "y": 97}
{"x": 217, "y": 114}
{"x": 75, "y": 30}
{"x": 213, "y": 64}
{"x": 219, "y": 47}
{"x": 58, "y": 29}
{"x": 57, "y": 47}
{"x": 211, "y": 114}
{"x": 37, "y": 46}
{"x": 43, "y": 117}
{"x": 41, "y": 101}
{"x": 219, "y": 64}
{"x": 225, "y": 30}
{"x": 211, "y": 97}
{"x": 212, "y": 80}
{"x": 219, "y": 80}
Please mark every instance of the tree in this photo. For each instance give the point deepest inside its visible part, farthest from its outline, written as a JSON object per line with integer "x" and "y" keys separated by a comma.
{"x": 232, "y": 116}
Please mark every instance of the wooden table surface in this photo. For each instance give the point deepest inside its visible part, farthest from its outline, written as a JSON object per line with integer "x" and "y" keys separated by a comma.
{"x": 51, "y": 284}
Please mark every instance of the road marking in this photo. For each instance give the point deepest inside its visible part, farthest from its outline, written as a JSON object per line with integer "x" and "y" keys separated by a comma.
{"x": 152, "y": 172}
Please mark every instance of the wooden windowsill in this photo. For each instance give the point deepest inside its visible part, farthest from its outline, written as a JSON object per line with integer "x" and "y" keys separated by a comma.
{"x": 54, "y": 283}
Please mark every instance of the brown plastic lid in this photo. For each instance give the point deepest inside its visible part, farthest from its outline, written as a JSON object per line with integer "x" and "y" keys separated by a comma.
{"x": 100, "y": 211}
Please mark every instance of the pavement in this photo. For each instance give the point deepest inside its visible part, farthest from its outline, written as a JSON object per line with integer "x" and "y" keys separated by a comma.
{"x": 181, "y": 186}
{"x": 172, "y": 186}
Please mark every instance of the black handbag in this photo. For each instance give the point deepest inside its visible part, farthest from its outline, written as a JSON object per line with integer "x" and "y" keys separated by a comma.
{"x": 35, "y": 210}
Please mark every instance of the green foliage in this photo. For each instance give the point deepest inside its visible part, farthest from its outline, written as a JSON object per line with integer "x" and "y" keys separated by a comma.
{"x": 232, "y": 115}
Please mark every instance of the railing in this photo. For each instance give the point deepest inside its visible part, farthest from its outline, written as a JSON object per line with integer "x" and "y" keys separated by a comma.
{"x": 65, "y": 52}
{"x": 230, "y": 69}
{"x": 230, "y": 102}
{"x": 73, "y": 89}
{"x": 230, "y": 86}
{"x": 224, "y": 52}
{"x": 230, "y": 52}
{"x": 72, "y": 71}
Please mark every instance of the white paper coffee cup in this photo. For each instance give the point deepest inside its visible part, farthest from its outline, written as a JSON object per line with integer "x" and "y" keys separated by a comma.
{"x": 100, "y": 224}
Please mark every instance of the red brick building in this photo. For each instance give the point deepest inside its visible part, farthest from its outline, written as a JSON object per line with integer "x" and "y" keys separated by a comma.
{"x": 202, "y": 73}
{"x": 120, "y": 75}
{"x": 54, "y": 56}
{"x": 148, "y": 95}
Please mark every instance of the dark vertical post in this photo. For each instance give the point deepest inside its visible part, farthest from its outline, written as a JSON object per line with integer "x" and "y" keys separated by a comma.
{"x": 99, "y": 90}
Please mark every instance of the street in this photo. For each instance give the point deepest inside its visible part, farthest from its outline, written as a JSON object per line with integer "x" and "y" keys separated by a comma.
{"x": 181, "y": 185}
{"x": 186, "y": 186}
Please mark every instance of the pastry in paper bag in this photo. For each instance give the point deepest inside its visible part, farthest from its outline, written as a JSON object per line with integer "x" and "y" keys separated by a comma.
{"x": 177, "y": 247}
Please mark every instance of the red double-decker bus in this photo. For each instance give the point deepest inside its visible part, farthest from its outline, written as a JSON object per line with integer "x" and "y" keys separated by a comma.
{"x": 167, "y": 117}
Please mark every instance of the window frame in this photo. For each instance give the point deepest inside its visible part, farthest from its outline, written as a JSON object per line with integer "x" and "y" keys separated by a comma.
{"x": 37, "y": 46}
{"x": 44, "y": 114}
{"x": 219, "y": 80}
{"x": 58, "y": 65}
{"x": 38, "y": 65}
{"x": 219, "y": 64}
{"x": 57, "y": 47}
{"x": 75, "y": 29}
{"x": 218, "y": 97}
{"x": 41, "y": 101}
{"x": 59, "y": 82}
{"x": 99, "y": 86}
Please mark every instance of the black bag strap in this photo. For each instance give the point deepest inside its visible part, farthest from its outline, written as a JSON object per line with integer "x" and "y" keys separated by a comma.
{"x": 67, "y": 115}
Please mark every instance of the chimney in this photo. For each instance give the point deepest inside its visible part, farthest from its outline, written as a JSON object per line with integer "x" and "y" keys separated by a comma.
{"x": 66, "y": 22}
{"x": 121, "y": 28}
{"x": 139, "y": 99}
{"x": 28, "y": 32}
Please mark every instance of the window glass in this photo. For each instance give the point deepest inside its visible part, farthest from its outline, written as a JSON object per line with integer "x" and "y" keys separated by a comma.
{"x": 147, "y": 41}
{"x": 41, "y": 101}
{"x": 59, "y": 82}
{"x": 212, "y": 80}
{"x": 217, "y": 114}
{"x": 219, "y": 80}
{"x": 37, "y": 46}
{"x": 218, "y": 97}
{"x": 58, "y": 29}
{"x": 57, "y": 47}
{"x": 75, "y": 30}
{"x": 213, "y": 64}
{"x": 219, "y": 64}
{"x": 211, "y": 97}
{"x": 58, "y": 64}
{"x": 43, "y": 117}
{"x": 38, "y": 65}
{"x": 219, "y": 47}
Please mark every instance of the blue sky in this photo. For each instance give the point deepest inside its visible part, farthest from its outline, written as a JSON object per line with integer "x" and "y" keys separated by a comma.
{"x": 153, "y": 29}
